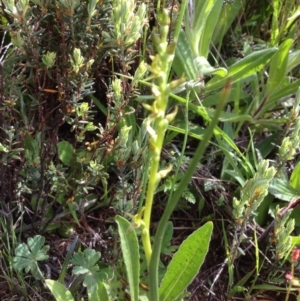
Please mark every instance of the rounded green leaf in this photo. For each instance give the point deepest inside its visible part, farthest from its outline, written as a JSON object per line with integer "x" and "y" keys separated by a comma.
{"x": 65, "y": 152}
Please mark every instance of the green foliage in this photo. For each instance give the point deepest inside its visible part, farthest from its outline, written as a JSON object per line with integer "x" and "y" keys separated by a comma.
{"x": 59, "y": 291}
{"x": 253, "y": 192}
{"x": 65, "y": 152}
{"x": 282, "y": 230}
{"x": 295, "y": 177}
{"x": 27, "y": 256}
{"x": 185, "y": 263}
{"x": 80, "y": 132}
{"x": 166, "y": 247}
{"x": 130, "y": 250}
{"x": 170, "y": 185}
{"x": 85, "y": 263}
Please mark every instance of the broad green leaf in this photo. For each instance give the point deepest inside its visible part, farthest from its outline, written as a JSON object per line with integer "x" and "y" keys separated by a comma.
{"x": 295, "y": 215}
{"x": 204, "y": 67}
{"x": 263, "y": 210}
{"x": 183, "y": 63}
{"x": 235, "y": 174}
{"x": 296, "y": 241}
{"x": 267, "y": 145}
{"x": 284, "y": 92}
{"x": 295, "y": 177}
{"x": 282, "y": 190}
{"x": 130, "y": 251}
{"x": 59, "y": 291}
{"x": 278, "y": 66}
{"x": 293, "y": 60}
{"x": 208, "y": 29}
{"x": 197, "y": 16}
{"x": 231, "y": 117}
{"x": 186, "y": 263}
{"x": 65, "y": 152}
{"x": 292, "y": 19}
{"x": 243, "y": 68}
{"x": 227, "y": 16}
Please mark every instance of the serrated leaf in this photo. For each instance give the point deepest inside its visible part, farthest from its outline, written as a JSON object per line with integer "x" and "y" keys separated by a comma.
{"x": 22, "y": 250}
{"x": 85, "y": 263}
{"x": 24, "y": 263}
{"x": 91, "y": 280}
{"x": 28, "y": 254}
{"x": 189, "y": 196}
{"x": 130, "y": 251}
{"x": 79, "y": 270}
{"x": 185, "y": 263}
{"x": 35, "y": 244}
{"x": 86, "y": 259}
